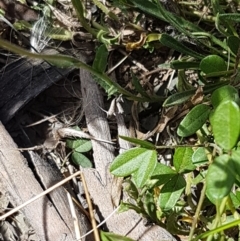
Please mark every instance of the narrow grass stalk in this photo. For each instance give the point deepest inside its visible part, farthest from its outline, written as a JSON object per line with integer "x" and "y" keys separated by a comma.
{"x": 64, "y": 61}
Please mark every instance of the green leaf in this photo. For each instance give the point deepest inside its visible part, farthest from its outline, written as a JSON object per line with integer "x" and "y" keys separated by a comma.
{"x": 99, "y": 65}
{"x": 128, "y": 162}
{"x": 213, "y": 64}
{"x": 161, "y": 169}
{"x": 129, "y": 206}
{"x": 181, "y": 97}
{"x": 182, "y": 160}
{"x": 159, "y": 12}
{"x": 101, "y": 57}
{"x": 150, "y": 205}
{"x": 85, "y": 146}
{"x": 172, "y": 43}
{"x": 224, "y": 93}
{"x": 105, "y": 10}
{"x": 103, "y": 37}
{"x": 199, "y": 156}
{"x": 178, "y": 98}
{"x": 230, "y": 16}
{"x": 225, "y": 123}
{"x": 171, "y": 192}
{"x": 183, "y": 83}
{"x": 144, "y": 172}
{"x": 79, "y": 145}
{"x": 235, "y": 199}
{"x": 106, "y": 236}
{"x": 160, "y": 175}
{"x": 233, "y": 43}
{"x": 194, "y": 120}
{"x": 131, "y": 189}
{"x": 81, "y": 160}
{"x": 145, "y": 144}
{"x": 138, "y": 161}
{"x": 149, "y": 8}
{"x": 220, "y": 178}
{"x": 209, "y": 88}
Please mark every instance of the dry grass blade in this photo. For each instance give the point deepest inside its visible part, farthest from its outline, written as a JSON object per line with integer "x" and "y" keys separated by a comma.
{"x": 68, "y": 132}
{"x": 75, "y": 219}
{"x": 93, "y": 221}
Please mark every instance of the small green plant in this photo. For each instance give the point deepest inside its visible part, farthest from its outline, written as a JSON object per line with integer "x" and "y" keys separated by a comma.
{"x": 158, "y": 189}
{"x": 78, "y": 147}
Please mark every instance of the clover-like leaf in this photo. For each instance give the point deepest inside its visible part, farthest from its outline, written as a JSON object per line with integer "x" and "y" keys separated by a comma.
{"x": 81, "y": 160}
{"x": 171, "y": 192}
{"x": 182, "y": 160}
{"x": 79, "y": 145}
{"x": 138, "y": 161}
{"x": 161, "y": 174}
{"x": 199, "y": 157}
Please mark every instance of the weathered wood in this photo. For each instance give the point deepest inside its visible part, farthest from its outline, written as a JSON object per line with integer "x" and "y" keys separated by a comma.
{"x": 49, "y": 174}
{"x": 24, "y": 79}
{"x": 100, "y": 182}
{"x": 17, "y": 179}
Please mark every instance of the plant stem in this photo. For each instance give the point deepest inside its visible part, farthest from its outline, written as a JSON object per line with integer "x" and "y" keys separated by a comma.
{"x": 80, "y": 13}
{"x": 63, "y": 61}
{"x": 199, "y": 206}
{"x": 200, "y": 15}
{"x": 188, "y": 190}
{"x": 176, "y": 146}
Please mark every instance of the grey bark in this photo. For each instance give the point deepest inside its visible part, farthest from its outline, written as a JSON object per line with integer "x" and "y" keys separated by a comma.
{"x": 17, "y": 179}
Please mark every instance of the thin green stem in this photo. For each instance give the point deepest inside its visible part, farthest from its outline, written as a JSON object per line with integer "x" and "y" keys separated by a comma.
{"x": 176, "y": 146}
{"x": 200, "y": 15}
{"x": 188, "y": 190}
{"x": 196, "y": 216}
{"x": 64, "y": 61}
{"x": 217, "y": 230}
{"x": 232, "y": 208}
{"x": 220, "y": 209}
{"x": 77, "y": 4}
